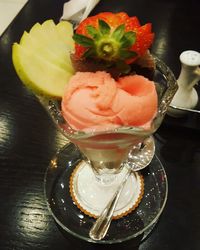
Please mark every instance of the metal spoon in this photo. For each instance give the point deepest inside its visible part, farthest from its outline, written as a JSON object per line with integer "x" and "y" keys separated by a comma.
{"x": 140, "y": 157}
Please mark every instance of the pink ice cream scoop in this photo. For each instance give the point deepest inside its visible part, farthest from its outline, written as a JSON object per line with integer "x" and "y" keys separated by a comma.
{"x": 95, "y": 101}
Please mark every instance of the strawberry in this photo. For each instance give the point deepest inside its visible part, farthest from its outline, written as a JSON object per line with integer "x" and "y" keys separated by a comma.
{"x": 112, "y": 37}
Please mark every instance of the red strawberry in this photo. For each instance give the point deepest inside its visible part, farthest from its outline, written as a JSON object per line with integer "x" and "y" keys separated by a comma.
{"x": 112, "y": 37}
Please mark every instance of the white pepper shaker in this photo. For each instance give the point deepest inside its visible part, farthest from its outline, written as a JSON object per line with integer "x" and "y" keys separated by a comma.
{"x": 186, "y": 96}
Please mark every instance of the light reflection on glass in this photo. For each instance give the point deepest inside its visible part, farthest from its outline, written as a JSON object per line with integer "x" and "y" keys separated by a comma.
{"x": 81, "y": 216}
{"x": 54, "y": 163}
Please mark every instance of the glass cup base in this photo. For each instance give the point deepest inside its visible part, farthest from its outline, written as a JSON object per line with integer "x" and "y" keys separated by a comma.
{"x": 71, "y": 219}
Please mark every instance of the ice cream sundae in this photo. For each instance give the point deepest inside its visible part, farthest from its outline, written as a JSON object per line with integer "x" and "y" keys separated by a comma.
{"x": 100, "y": 77}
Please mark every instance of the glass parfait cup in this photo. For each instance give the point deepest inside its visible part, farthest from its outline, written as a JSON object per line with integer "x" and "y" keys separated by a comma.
{"x": 105, "y": 154}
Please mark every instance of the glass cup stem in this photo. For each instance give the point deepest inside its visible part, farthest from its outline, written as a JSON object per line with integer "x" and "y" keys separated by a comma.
{"x": 106, "y": 163}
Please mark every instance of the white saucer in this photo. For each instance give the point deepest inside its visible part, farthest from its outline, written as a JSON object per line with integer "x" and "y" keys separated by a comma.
{"x": 91, "y": 197}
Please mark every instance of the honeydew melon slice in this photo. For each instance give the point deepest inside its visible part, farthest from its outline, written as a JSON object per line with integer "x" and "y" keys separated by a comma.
{"x": 47, "y": 34}
{"x": 65, "y": 32}
{"x": 61, "y": 58}
{"x": 38, "y": 74}
{"x": 42, "y": 58}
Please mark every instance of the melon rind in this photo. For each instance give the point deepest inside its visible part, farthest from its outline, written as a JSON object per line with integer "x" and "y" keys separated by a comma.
{"x": 38, "y": 74}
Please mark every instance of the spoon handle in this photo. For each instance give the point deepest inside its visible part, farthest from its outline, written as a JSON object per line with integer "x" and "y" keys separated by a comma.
{"x": 101, "y": 225}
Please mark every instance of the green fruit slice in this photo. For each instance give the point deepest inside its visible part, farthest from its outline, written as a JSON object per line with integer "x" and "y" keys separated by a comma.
{"x": 58, "y": 56}
{"x": 38, "y": 74}
{"x": 65, "y": 32}
{"x": 42, "y": 58}
{"x": 49, "y": 33}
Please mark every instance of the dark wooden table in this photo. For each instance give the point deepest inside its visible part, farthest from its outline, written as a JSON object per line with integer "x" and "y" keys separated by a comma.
{"x": 28, "y": 138}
